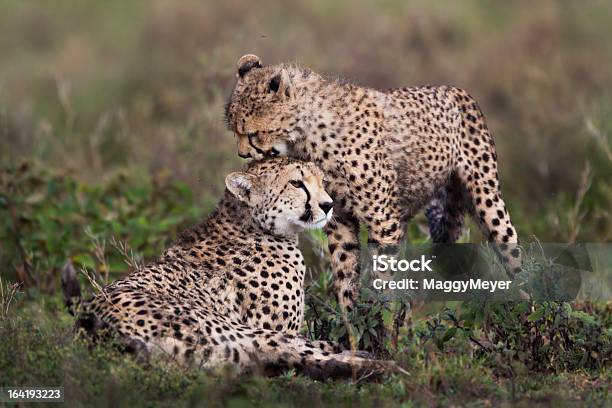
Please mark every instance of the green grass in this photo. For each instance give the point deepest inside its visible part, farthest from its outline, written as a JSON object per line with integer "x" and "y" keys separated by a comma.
{"x": 39, "y": 348}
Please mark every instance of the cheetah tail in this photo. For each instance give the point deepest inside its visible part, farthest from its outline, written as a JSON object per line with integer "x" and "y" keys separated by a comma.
{"x": 319, "y": 360}
{"x": 347, "y": 365}
{"x": 71, "y": 288}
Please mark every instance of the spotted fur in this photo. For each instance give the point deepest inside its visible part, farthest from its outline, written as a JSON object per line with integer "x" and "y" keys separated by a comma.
{"x": 386, "y": 155}
{"x": 230, "y": 291}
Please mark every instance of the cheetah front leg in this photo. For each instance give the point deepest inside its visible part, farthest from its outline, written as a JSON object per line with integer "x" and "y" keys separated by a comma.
{"x": 386, "y": 231}
{"x": 343, "y": 238}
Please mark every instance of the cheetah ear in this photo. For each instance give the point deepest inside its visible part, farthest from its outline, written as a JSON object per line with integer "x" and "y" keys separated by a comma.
{"x": 241, "y": 185}
{"x": 281, "y": 83}
{"x": 247, "y": 63}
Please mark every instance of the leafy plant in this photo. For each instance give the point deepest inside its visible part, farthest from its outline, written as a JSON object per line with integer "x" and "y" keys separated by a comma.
{"x": 47, "y": 218}
{"x": 527, "y": 336}
{"x": 363, "y": 328}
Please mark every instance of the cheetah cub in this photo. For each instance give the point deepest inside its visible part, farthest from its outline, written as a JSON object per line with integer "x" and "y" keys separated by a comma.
{"x": 386, "y": 154}
{"x": 230, "y": 291}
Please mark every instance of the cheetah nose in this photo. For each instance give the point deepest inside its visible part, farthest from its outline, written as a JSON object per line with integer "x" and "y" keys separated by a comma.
{"x": 326, "y": 206}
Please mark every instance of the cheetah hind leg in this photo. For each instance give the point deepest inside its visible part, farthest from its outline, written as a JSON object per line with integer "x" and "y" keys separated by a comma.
{"x": 445, "y": 212}
{"x": 264, "y": 351}
{"x": 489, "y": 211}
{"x": 445, "y": 215}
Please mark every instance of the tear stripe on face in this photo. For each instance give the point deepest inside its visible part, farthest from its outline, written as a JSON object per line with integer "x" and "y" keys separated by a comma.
{"x": 257, "y": 149}
{"x": 307, "y": 216}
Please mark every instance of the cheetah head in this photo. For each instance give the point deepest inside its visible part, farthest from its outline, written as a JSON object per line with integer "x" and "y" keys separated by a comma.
{"x": 284, "y": 196}
{"x": 262, "y": 108}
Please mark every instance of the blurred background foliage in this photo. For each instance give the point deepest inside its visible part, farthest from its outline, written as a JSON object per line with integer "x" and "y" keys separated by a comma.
{"x": 90, "y": 88}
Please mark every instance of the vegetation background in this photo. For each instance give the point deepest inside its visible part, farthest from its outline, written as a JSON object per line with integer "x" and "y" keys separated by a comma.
{"x": 112, "y": 140}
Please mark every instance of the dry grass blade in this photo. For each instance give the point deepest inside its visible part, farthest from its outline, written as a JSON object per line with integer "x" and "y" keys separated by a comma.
{"x": 576, "y": 215}
{"x": 8, "y": 293}
{"x": 91, "y": 277}
{"x": 99, "y": 251}
{"x": 601, "y": 137}
{"x": 133, "y": 261}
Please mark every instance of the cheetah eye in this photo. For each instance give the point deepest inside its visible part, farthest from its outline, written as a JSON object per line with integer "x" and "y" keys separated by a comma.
{"x": 296, "y": 183}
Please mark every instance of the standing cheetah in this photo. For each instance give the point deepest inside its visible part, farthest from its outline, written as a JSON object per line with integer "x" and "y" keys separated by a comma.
{"x": 385, "y": 154}
{"x": 230, "y": 292}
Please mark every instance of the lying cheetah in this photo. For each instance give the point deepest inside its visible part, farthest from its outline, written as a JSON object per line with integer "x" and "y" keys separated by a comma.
{"x": 230, "y": 292}
{"x": 386, "y": 155}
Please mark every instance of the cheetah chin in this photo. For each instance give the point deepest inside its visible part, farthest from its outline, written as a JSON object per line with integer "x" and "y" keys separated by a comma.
{"x": 315, "y": 224}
